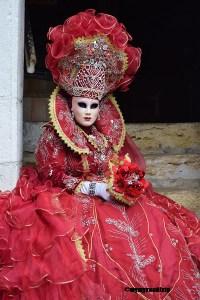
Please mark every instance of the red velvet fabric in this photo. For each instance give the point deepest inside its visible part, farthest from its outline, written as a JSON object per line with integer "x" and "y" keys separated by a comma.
{"x": 58, "y": 245}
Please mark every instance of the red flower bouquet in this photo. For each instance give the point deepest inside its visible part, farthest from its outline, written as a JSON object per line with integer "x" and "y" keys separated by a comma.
{"x": 127, "y": 181}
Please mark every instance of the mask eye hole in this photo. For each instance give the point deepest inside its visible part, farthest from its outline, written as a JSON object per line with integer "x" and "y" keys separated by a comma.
{"x": 94, "y": 105}
{"x": 82, "y": 104}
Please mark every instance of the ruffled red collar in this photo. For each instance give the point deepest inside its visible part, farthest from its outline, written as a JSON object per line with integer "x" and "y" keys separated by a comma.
{"x": 110, "y": 123}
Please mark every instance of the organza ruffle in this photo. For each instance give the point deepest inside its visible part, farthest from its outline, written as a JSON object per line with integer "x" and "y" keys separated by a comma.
{"x": 54, "y": 245}
{"x": 37, "y": 225}
{"x": 184, "y": 219}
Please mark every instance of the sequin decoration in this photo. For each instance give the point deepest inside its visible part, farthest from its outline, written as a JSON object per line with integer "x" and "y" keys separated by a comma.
{"x": 94, "y": 69}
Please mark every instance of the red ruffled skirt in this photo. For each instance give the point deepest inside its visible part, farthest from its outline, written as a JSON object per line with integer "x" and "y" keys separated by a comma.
{"x": 54, "y": 245}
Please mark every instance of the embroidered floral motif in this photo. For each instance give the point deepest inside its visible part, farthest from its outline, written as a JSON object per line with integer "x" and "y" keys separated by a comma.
{"x": 115, "y": 124}
{"x": 159, "y": 268}
{"x": 174, "y": 242}
{"x": 122, "y": 226}
{"x": 88, "y": 221}
{"x": 98, "y": 161}
{"x": 85, "y": 200}
{"x": 126, "y": 229}
{"x": 140, "y": 260}
{"x": 63, "y": 115}
{"x": 108, "y": 248}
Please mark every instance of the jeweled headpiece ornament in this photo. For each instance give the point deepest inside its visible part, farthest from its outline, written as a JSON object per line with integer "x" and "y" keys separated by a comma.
{"x": 90, "y": 55}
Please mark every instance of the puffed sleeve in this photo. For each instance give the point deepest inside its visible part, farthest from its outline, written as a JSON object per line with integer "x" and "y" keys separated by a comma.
{"x": 56, "y": 161}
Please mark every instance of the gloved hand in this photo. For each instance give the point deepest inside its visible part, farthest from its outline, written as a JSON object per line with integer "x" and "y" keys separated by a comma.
{"x": 94, "y": 188}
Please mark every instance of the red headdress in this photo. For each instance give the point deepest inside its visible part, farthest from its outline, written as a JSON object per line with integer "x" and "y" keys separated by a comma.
{"x": 90, "y": 55}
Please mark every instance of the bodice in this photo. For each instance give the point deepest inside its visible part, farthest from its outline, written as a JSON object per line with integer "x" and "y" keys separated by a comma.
{"x": 58, "y": 162}
{"x": 67, "y": 154}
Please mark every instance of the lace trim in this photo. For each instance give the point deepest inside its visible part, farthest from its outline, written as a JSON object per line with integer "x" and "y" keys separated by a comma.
{"x": 117, "y": 143}
{"x": 57, "y": 127}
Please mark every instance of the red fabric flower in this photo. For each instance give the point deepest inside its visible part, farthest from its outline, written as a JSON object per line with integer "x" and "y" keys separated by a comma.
{"x": 128, "y": 180}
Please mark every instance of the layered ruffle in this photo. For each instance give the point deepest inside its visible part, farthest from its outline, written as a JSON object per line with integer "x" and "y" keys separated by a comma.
{"x": 186, "y": 222}
{"x": 37, "y": 227}
{"x": 54, "y": 245}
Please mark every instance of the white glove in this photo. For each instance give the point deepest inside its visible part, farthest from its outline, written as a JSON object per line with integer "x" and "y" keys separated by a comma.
{"x": 94, "y": 188}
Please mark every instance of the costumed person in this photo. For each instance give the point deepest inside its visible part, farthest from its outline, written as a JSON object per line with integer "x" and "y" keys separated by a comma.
{"x": 85, "y": 223}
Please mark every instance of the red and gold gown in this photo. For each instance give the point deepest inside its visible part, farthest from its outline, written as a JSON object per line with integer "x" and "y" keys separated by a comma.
{"x": 56, "y": 243}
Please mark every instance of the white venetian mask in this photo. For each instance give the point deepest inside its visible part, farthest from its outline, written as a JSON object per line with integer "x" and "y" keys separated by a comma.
{"x": 85, "y": 110}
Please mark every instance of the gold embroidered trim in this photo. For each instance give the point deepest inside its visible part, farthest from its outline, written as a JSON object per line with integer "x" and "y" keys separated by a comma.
{"x": 85, "y": 163}
{"x": 79, "y": 246}
{"x": 57, "y": 127}
{"x": 67, "y": 140}
{"x": 91, "y": 140}
{"x": 118, "y": 146}
{"x": 78, "y": 188}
